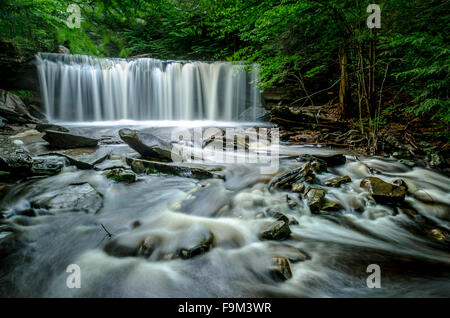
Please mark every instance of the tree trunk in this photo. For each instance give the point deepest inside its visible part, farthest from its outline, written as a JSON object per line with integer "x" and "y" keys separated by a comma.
{"x": 345, "y": 99}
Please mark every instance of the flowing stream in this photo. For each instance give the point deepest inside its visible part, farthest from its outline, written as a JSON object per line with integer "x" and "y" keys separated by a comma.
{"x": 127, "y": 238}
{"x": 174, "y": 212}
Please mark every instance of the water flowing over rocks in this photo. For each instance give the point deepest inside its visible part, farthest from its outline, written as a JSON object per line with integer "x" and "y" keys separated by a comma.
{"x": 220, "y": 229}
{"x": 73, "y": 198}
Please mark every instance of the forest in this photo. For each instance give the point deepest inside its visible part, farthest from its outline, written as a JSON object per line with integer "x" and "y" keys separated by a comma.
{"x": 357, "y": 92}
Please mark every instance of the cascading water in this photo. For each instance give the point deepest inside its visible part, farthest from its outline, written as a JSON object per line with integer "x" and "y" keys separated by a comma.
{"x": 83, "y": 88}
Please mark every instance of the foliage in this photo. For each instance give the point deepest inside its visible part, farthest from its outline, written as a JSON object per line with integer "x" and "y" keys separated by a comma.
{"x": 294, "y": 42}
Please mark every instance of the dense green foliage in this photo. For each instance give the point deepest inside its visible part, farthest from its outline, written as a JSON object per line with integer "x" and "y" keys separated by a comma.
{"x": 294, "y": 42}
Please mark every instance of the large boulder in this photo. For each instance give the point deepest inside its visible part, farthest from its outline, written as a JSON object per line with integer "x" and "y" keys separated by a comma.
{"x": 384, "y": 192}
{"x": 147, "y": 145}
{"x": 63, "y": 140}
{"x": 72, "y": 198}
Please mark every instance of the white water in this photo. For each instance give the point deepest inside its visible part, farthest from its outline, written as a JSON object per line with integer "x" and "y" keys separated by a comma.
{"x": 174, "y": 211}
{"x": 83, "y": 88}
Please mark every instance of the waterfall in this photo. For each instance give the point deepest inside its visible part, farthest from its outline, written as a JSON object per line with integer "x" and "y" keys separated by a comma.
{"x": 84, "y": 88}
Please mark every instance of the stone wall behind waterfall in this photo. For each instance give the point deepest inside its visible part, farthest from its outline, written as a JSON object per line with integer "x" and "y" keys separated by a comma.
{"x": 82, "y": 88}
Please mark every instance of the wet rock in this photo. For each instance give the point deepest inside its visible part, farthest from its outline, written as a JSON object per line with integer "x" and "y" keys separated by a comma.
{"x": 45, "y": 127}
{"x": 72, "y": 198}
{"x": 331, "y": 160}
{"x": 13, "y": 157}
{"x": 154, "y": 167}
{"x": 298, "y": 187}
{"x": 438, "y": 235}
{"x": 47, "y": 165}
{"x": 63, "y": 140}
{"x": 285, "y": 180}
{"x": 315, "y": 198}
{"x": 83, "y": 158}
{"x": 147, "y": 145}
{"x": 338, "y": 181}
{"x": 200, "y": 248}
{"x": 384, "y": 192}
{"x": 281, "y": 270}
{"x": 277, "y": 231}
{"x": 13, "y": 109}
{"x": 121, "y": 175}
{"x": 332, "y": 206}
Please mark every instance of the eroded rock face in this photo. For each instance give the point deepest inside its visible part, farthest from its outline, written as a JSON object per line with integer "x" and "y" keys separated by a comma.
{"x": 315, "y": 198}
{"x": 277, "y": 231}
{"x": 147, "y": 145}
{"x": 338, "y": 181}
{"x": 72, "y": 198}
{"x": 63, "y": 140}
{"x": 384, "y": 192}
{"x": 13, "y": 157}
{"x": 13, "y": 109}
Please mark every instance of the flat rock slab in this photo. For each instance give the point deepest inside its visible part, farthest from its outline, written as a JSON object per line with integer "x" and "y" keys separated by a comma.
{"x": 63, "y": 140}
{"x": 72, "y": 198}
{"x": 154, "y": 167}
{"x": 147, "y": 145}
{"x": 84, "y": 158}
